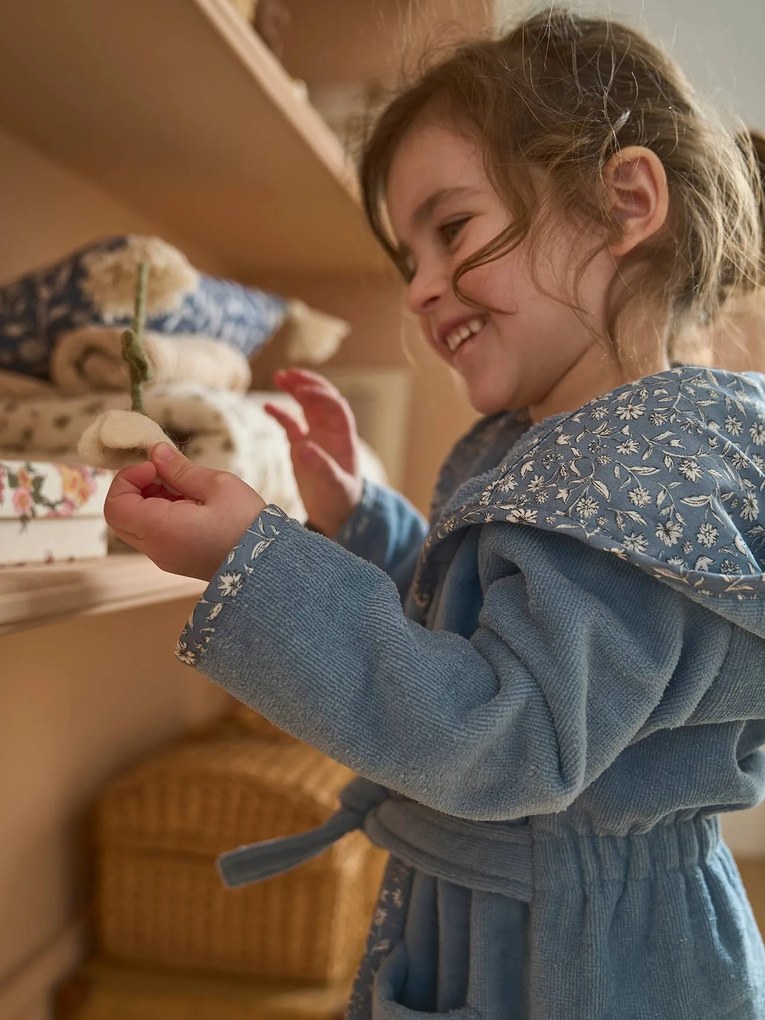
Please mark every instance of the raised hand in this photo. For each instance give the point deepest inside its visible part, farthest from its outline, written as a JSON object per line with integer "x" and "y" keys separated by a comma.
{"x": 189, "y": 527}
{"x": 324, "y": 451}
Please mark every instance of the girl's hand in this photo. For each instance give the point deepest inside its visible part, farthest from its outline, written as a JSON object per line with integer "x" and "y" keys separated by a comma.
{"x": 189, "y": 528}
{"x": 325, "y": 453}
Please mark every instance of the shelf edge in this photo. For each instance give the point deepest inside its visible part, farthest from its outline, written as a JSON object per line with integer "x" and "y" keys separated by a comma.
{"x": 35, "y": 596}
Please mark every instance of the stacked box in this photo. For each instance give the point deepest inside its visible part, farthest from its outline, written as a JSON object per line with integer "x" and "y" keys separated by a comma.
{"x": 51, "y": 511}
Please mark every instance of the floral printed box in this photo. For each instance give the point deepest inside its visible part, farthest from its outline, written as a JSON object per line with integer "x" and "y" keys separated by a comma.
{"x": 51, "y": 511}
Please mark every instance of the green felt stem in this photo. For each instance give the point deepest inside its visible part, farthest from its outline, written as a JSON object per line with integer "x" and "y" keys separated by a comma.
{"x": 132, "y": 343}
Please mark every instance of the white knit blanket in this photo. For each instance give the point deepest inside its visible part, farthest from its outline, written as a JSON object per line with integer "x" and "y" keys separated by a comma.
{"x": 215, "y": 428}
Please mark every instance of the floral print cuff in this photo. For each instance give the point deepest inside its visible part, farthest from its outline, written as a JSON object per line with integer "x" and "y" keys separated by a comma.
{"x": 227, "y": 583}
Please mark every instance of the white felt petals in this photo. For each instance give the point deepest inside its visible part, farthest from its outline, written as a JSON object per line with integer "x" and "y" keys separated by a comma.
{"x": 118, "y": 438}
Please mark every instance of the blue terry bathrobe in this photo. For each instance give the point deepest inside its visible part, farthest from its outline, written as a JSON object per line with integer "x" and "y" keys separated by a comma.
{"x": 546, "y": 731}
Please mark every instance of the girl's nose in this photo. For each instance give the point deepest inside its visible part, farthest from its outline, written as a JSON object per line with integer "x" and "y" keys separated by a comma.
{"x": 427, "y": 285}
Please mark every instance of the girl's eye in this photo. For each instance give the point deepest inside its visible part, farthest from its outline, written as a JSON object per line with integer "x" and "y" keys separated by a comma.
{"x": 450, "y": 230}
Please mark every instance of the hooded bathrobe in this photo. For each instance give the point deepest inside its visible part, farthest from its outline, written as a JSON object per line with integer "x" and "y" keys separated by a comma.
{"x": 549, "y": 695}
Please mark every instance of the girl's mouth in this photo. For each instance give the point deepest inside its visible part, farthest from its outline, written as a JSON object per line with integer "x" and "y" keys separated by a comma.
{"x": 464, "y": 332}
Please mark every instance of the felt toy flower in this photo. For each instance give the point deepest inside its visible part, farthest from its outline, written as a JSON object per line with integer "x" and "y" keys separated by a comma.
{"x": 119, "y": 438}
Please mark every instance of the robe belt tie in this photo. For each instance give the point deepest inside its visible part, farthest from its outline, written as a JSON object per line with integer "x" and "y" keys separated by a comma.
{"x": 490, "y": 856}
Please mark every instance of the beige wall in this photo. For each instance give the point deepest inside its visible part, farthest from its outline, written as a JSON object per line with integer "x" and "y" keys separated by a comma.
{"x": 334, "y": 41}
{"x": 46, "y": 210}
{"x": 81, "y": 699}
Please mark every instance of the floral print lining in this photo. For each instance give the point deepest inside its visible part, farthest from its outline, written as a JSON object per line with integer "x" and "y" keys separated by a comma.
{"x": 480, "y": 450}
{"x": 666, "y": 472}
{"x": 198, "y": 632}
{"x": 386, "y": 931}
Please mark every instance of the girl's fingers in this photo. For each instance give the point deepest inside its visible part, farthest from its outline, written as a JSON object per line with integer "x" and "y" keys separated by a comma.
{"x": 290, "y": 378}
{"x": 186, "y": 478}
{"x": 322, "y": 403}
{"x": 134, "y": 514}
{"x": 319, "y": 461}
{"x": 141, "y": 480}
{"x": 122, "y": 512}
{"x": 293, "y": 428}
{"x": 289, "y": 375}
{"x": 132, "y": 479}
{"x": 162, "y": 491}
{"x": 126, "y": 496}
{"x": 322, "y": 408}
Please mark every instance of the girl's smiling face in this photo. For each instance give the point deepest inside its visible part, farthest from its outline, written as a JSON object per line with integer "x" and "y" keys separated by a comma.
{"x": 535, "y": 351}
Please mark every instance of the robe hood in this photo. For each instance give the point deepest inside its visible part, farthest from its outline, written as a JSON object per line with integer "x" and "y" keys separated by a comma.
{"x": 666, "y": 473}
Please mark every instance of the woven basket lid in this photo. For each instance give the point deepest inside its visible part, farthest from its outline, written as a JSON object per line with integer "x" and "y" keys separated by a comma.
{"x": 207, "y": 795}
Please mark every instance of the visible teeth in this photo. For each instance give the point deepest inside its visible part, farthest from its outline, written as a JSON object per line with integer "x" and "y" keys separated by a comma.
{"x": 459, "y": 334}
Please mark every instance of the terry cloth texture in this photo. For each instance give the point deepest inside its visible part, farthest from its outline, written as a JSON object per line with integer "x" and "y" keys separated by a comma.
{"x": 548, "y": 727}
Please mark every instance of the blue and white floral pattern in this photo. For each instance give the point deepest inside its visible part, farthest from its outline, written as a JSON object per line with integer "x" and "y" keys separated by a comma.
{"x": 667, "y": 473}
{"x": 488, "y": 442}
{"x": 386, "y": 931}
{"x": 75, "y": 292}
{"x": 198, "y": 633}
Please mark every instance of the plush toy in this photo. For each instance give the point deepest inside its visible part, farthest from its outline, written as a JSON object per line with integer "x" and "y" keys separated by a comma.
{"x": 118, "y": 438}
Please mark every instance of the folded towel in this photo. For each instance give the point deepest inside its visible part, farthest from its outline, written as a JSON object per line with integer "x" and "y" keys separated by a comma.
{"x": 95, "y": 286}
{"x": 90, "y": 361}
{"x": 17, "y": 386}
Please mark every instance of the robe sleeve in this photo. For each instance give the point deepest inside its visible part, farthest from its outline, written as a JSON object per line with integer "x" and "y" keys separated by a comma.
{"x": 386, "y": 530}
{"x": 574, "y": 652}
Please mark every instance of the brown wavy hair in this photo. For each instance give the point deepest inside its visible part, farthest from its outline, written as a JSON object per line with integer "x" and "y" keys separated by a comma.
{"x": 564, "y": 93}
{"x": 752, "y": 145}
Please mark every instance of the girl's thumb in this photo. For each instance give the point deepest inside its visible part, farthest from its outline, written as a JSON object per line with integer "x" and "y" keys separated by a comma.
{"x": 189, "y": 479}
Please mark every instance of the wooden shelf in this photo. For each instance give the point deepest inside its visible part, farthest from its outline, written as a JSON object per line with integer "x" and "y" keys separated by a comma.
{"x": 179, "y": 109}
{"x": 32, "y": 595}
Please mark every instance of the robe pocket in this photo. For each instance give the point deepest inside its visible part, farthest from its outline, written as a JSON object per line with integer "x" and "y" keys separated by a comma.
{"x": 389, "y": 981}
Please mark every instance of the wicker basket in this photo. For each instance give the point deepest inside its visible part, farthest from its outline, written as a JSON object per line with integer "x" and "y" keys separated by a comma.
{"x": 101, "y": 990}
{"x": 160, "y": 828}
{"x": 242, "y": 717}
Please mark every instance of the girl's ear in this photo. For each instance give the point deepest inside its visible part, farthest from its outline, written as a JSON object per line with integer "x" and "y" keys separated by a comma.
{"x": 636, "y": 185}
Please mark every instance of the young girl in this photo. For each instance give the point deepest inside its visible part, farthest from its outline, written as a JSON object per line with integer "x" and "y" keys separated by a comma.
{"x": 547, "y": 729}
